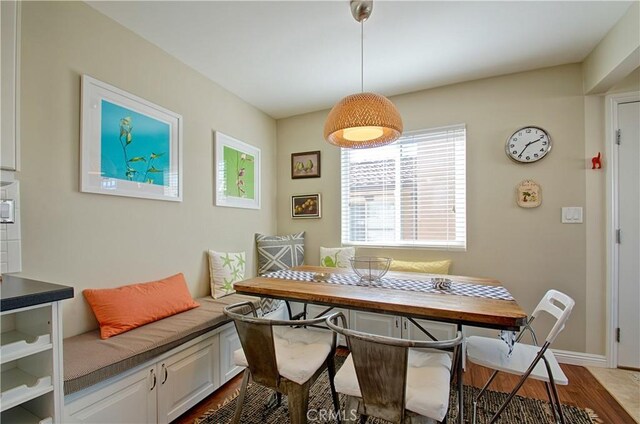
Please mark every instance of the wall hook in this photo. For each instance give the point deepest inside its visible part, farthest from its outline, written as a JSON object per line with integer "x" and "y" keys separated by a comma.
{"x": 595, "y": 162}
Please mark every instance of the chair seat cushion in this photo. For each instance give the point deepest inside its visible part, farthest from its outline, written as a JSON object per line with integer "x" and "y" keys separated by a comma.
{"x": 493, "y": 353}
{"x": 299, "y": 352}
{"x": 428, "y": 376}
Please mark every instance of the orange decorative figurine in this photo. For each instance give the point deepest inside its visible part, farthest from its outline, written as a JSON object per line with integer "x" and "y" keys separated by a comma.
{"x": 595, "y": 162}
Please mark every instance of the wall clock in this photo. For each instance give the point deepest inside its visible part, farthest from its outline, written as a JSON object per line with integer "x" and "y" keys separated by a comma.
{"x": 528, "y": 144}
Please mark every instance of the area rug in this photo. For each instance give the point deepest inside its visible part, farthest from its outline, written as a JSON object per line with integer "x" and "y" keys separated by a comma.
{"x": 255, "y": 411}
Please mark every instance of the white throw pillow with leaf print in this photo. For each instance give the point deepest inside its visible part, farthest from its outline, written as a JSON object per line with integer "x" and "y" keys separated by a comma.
{"x": 336, "y": 257}
{"x": 225, "y": 268}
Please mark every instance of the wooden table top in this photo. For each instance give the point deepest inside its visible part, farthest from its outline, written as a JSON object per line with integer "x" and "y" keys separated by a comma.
{"x": 467, "y": 310}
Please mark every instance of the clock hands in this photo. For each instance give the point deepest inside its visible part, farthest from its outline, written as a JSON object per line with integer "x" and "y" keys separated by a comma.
{"x": 529, "y": 144}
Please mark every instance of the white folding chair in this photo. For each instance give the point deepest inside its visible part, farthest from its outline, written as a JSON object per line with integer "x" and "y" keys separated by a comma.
{"x": 525, "y": 359}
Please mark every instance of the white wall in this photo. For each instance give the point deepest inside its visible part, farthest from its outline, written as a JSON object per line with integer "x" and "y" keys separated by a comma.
{"x": 529, "y": 250}
{"x": 93, "y": 241}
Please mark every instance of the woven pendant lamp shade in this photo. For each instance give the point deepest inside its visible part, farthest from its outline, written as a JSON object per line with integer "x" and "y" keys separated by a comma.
{"x": 370, "y": 112}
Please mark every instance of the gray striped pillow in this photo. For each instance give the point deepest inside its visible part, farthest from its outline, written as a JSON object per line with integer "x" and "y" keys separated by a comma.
{"x": 279, "y": 252}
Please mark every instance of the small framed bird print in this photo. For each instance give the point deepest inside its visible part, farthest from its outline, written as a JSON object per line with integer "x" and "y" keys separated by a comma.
{"x": 305, "y": 165}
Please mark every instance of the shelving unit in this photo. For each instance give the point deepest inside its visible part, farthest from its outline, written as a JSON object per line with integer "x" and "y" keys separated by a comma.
{"x": 31, "y": 351}
{"x": 19, "y": 415}
{"x": 15, "y": 345}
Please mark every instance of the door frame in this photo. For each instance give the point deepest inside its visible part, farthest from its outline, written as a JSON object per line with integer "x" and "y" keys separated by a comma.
{"x": 611, "y": 195}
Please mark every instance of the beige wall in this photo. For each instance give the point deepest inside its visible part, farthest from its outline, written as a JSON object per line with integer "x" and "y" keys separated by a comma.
{"x": 90, "y": 240}
{"x": 616, "y": 55}
{"x": 529, "y": 250}
{"x": 630, "y": 83}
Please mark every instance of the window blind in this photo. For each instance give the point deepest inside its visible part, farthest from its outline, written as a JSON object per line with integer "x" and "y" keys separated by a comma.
{"x": 409, "y": 193}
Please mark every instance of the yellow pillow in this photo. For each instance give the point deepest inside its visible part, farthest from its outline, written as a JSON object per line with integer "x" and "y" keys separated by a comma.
{"x": 433, "y": 267}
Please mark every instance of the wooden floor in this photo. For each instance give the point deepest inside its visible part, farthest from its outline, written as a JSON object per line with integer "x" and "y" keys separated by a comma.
{"x": 583, "y": 391}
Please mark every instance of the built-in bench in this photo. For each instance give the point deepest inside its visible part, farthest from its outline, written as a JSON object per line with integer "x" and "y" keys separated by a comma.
{"x": 99, "y": 374}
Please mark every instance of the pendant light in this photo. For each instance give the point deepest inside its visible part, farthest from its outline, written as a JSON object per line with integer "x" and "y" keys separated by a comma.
{"x": 362, "y": 120}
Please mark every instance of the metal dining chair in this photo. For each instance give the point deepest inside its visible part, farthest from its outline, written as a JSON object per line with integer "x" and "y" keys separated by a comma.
{"x": 525, "y": 360}
{"x": 282, "y": 356}
{"x": 398, "y": 380}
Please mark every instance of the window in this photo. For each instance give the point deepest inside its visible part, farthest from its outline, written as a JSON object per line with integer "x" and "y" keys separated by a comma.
{"x": 409, "y": 193}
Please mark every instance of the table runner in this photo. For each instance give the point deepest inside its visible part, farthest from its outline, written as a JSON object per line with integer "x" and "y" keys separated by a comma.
{"x": 426, "y": 286}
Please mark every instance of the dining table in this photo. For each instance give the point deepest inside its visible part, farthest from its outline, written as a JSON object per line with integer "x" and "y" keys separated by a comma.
{"x": 465, "y": 301}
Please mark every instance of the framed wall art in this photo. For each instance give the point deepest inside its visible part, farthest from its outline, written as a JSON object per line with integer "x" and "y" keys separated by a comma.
{"x": 237, "y": 173}
{"x": 129, "y": 146}
{"x": 305, "y": 165}
{"x": 306, "y": 206}
{"x": 529, "y": 194}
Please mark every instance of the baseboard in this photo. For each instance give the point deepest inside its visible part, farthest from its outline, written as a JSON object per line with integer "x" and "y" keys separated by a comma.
{"x": 579, "y": 358}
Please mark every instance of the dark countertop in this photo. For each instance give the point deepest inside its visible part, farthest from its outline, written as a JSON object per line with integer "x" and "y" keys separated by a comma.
{"x": 18, "y": 292}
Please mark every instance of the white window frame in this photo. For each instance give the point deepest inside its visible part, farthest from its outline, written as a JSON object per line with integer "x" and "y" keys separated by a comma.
{"x": 459, "y": 224}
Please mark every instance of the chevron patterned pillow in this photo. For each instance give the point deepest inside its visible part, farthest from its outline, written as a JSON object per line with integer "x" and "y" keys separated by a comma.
{"x": 276, "y": 253}
{"x": 279, "y": 252}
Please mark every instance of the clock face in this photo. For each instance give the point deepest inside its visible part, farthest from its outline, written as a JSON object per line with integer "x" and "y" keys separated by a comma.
{"x": 528, "y": 144}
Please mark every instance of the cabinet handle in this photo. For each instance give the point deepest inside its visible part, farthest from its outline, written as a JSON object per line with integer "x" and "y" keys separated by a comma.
{"x": 405, "y": 324}
{"x": 166, "y": 374}
{"x": 396, "y": 322}
{"x": 153, "y": 385}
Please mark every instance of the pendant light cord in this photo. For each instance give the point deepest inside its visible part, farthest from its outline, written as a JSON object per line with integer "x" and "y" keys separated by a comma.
{"x": 362, "y": 56}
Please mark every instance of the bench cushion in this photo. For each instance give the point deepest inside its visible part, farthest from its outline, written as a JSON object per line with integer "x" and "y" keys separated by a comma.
{"x": 89, "y": 359}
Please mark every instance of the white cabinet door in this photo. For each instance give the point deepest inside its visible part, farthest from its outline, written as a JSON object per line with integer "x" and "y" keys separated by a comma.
{"x": 439, "y": 330}
{"x": 372, "y": 323}
{"x": 186, "y": 378}
{"x": 229, "y": 343}
{"x": 130, "y": 400}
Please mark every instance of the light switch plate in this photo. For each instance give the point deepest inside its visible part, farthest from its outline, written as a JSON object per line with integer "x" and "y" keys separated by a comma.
{"x": 572, "y": 215}
{"x": 7, "y": 212}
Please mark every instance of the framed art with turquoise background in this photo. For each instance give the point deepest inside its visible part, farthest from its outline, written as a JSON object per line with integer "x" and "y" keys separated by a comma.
{"x": 129, "y": 146}
{"x": 237, "y": 173}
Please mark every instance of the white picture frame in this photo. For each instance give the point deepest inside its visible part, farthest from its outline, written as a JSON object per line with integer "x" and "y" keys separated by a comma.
{"x": 237, "y": 173}
{"x": 128, "y": 146}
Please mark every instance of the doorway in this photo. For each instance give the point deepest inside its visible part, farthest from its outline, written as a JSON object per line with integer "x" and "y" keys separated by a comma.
{"x": 625, "y": 231}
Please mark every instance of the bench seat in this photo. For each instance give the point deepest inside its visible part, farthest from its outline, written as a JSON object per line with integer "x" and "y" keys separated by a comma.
{"x": 89, "y": 359}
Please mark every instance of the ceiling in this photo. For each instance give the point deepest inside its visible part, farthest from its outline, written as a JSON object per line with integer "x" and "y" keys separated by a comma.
{"x": 293, "y": 57}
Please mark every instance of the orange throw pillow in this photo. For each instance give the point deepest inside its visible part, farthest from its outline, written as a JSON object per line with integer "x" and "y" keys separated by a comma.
{"x": 127, "y": 307}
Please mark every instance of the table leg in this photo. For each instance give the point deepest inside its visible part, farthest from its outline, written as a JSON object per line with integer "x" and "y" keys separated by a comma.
{"x": 459, "y": 371}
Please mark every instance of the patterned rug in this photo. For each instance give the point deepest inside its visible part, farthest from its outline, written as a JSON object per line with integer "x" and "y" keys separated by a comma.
{"x": 521, "y": 410}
